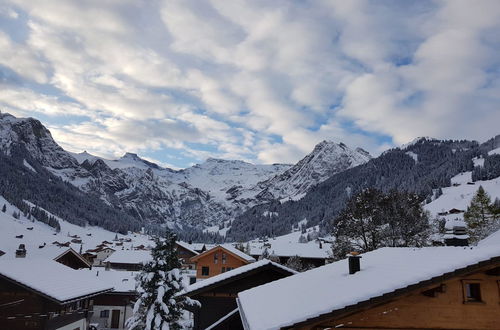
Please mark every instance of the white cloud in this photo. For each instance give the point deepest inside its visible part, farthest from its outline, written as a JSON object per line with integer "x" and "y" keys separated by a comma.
{"x": 236, "y": 76}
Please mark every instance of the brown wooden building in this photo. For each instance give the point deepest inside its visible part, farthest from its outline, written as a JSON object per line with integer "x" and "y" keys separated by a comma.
{"x": 217, "y": 294}
{"x": 43, "y": 294}
{"x": 396, "y": 288}
{"x": 185, "y": 253}
{"x": 218, "y": 260}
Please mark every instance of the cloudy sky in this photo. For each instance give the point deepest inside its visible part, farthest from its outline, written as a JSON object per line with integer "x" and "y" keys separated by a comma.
{"x": 178, "y": 81}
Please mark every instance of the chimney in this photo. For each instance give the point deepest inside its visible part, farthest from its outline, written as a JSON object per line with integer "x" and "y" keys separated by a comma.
{"x": 21, "y": 251}
{"x": 354, "y": 262}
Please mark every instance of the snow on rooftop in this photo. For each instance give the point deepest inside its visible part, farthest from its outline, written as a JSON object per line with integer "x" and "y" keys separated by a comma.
{"x": 237, "y": 271}
{"x": 187, "y": 246}
{"x": 330, "y": 287}
{"x": 51, "y": 278}
{"x": 493, "y": 239}
{"x": 121, "y": 281}
{"x": 130, "y": 257}
{"x": 237, "y": 252}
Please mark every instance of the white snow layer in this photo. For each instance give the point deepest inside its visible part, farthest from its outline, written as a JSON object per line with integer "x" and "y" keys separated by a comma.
{"x": 330, "y": 287}
{"x": 51, "y": 278}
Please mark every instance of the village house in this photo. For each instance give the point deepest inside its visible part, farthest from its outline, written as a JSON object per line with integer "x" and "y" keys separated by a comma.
{"x": 185, "y": 253}
{"x": 218, "y": 260}
{"x": 217, "y": 294}
{"x": 311, "y": 255}
{"x": 44, "y": 294}
{"x": 101, "y": 253}
{"x": 389, "y": 288}
{"x": 128, "y": 260}
{"x": 112, "y": 309}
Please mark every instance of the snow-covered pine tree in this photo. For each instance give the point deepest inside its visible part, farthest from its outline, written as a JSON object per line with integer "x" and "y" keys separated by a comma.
{"x": 478, "y": 216}
{"x": 159, "y": 307}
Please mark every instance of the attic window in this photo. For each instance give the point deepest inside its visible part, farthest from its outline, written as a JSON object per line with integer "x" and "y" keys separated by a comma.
{"x": 472, "y": 291}
{"x": 224, "y": 258}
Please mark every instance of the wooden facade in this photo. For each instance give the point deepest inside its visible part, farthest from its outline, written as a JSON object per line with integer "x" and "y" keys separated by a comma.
{"x": 465, "y": 299}
{"x": 219, "y": 299}
{"x": 185, "y": 256}
{"x": 73, "y": 259}
{"x": 216, "y": 261}
{"x": 22, "y": 308}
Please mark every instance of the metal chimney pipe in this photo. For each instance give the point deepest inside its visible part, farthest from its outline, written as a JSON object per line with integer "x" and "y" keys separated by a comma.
{"x": 354, "y": 262}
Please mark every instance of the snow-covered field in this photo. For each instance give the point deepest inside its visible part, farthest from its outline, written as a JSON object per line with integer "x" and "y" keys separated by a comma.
{"x": 41, "y": 234}
{"x": 460, "y": 194}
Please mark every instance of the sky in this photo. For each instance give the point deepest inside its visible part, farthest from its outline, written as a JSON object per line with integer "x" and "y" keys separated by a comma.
{"x": 177, "y": 81}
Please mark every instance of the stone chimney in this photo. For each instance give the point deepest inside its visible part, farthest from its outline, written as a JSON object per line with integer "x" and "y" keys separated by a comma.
{"x": 21, "y": 251}
{"x": 354, "y": 262}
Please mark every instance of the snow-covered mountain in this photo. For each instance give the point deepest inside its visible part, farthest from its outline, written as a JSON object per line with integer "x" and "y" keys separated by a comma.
{"x": 206, "y": 194}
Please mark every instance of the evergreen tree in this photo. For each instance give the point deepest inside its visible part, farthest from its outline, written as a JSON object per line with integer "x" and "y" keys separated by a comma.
{"x": 4, "y": 208}
{"x": 158, "y": 306}
{"x": 295, "y": 263}
{"x": 264, "y": 255}
{"x": 479, "y": 216}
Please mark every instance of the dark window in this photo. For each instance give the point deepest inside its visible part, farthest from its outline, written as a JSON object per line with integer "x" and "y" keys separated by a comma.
{"x": 216, "y": 257}
{"x": 229, "y": 268}
{"x": 224, "y": 258}
{"x": 192, "y": 280}
{"x": 472, "y": 292}
{"x": 105, "y": 313}
{"x": 205, "y": 271}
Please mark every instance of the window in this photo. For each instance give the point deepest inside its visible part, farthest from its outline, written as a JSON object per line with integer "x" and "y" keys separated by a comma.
{"x": 229, "y": 268}
{"x": 216, "y": 257}
{"x": 105, "y": 313}
{"x": 192, "y": 280}
{"x": 205, "y": 271}
{"x": 223, "y": 269}
{"x": 224, "y": 257}
{"x": 472, "y": 291}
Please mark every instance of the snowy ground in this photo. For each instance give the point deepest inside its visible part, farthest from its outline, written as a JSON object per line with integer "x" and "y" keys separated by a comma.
{"x": 460, "y": 194}
{"x": 42, "y": 233}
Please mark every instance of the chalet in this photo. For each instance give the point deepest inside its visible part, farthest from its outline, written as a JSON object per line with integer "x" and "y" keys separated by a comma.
{"x": 313, "y": 254}
{"x": 185, "y": 253}
{"x": 129, "y": 260}
{"x": 217, "y": 294}
{"x": 43, "y": 294}
{"x": 101, "y": 253}
{"x": 455, "y": 211}
{"x": 389, "y": 288}
{"x": 456, "y": 233}
{"x": 62, "y": 255}
{"x": 112, "y": 309}
{"x": 218, "y": 260}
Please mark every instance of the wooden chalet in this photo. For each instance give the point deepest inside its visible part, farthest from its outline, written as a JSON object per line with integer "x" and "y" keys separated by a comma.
{"x": 217, "y": 294}
{"x": 218, "y": 260}
{"x": 112, "y": 309}
{"x": 45, "y": 295}
{"x": 185, "y": 253}
{"x": 391, "y": 288}
{"x": 128, "y": 260}
{"x": 63, "y": 255}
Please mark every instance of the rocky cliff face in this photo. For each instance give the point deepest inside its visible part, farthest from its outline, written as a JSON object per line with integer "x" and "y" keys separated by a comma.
{"x": 203, "y": 195}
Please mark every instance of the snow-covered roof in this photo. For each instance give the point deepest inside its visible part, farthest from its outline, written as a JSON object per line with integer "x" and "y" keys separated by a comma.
{"x": 52, "y": 279}
{"x": 232, "y": 273}
{"x": 493, "y": 239}
{"x": 452, "y": 223}
{"x": 328, "y": 288}
{"x": 230, "y": 248}
{"x": 303, "y": 250}
{"x": 187, "y": 246}
{"x": 121, "y": 281}
{"x": 237, "y": 252}
{"x": 130, "y": 257}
